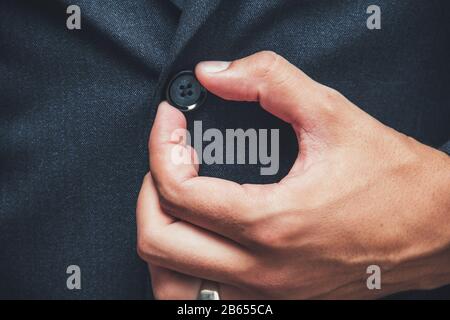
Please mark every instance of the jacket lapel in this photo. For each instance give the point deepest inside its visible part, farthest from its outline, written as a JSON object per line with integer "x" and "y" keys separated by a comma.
{"x": 128, "y": 26}
{"x": 195, "y": 13}
{"x": 133, "y": 38}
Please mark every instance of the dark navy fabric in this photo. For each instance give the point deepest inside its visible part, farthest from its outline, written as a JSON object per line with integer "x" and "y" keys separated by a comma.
{"x": 76, "y": 108}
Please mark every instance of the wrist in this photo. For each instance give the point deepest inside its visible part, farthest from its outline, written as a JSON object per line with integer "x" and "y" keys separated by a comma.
{"x": 425, "y": 262}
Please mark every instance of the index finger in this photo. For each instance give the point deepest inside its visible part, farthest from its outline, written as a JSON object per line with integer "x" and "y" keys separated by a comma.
{"x": 218, "y": 205}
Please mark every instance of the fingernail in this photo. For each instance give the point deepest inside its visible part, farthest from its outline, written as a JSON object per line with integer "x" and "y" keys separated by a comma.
{"x": 214, "y": 66}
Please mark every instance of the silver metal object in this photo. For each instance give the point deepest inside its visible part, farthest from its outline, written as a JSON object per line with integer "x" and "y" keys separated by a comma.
{"x": 209, "y": 291}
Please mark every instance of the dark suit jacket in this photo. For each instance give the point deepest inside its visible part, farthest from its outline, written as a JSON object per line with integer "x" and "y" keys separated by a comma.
{"x": 76, "y": 108}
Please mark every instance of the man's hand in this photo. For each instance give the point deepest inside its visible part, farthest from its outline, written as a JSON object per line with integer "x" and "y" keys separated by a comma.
{"x": 358, "y": 194}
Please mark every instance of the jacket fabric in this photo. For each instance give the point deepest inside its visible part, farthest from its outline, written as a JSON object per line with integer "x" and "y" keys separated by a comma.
{"x": 77, "y": 106}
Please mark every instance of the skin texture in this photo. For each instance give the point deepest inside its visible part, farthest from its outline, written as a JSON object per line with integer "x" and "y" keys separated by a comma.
{"x": 359, "y": 194}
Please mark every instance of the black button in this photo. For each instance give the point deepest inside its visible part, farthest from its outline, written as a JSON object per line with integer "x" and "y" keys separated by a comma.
{"x": 185, "y": 92}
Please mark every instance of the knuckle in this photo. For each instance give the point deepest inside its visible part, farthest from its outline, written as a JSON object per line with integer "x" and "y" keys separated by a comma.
{"x": 274, "y": 231}
{"x": 142, "y": 247}
{"x": 264, "y": 236}
{"x": 160, "y": 293}
{"x": 169, "y": 193}
{"x": 164, "y": 291}
{"x": 331, "y": 99}
{"x": 167, "y": 286}
{"x": 146, "y": 241}
{"x": 266, "y": 62}
{"x": 333, "y": 95}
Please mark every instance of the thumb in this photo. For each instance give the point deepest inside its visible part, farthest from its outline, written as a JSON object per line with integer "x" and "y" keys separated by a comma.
{"x": 281, "y": 88}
